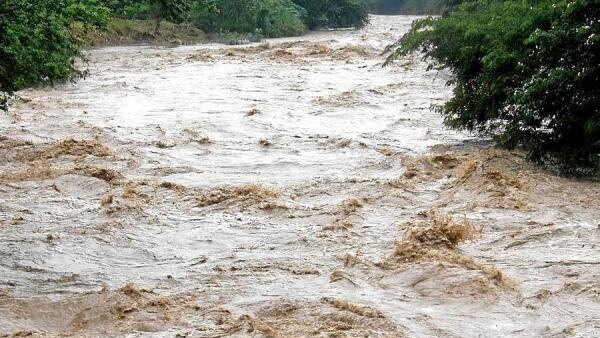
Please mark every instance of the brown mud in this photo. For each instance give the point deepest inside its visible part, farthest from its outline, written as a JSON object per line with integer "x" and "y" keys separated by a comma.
{"x": 288, "y": 189}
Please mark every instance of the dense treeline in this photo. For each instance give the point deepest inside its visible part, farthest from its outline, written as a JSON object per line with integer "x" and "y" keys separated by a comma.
{"x": 334, "y": 13}
{"x": 37, "y": 44}
{"x": 418, "y": 7}
{"x": 35, "y": 41}
{"x": 271, "y": 18}
{"x": 526, "y": 72}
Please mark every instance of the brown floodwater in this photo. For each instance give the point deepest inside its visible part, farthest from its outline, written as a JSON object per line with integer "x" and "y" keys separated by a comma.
{"x": 292, "y": 188}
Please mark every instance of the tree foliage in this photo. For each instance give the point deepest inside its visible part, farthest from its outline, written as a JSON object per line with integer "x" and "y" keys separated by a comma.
{"x": 172, "y": 10}
{"x": 525, "y": 72}
{"x": 335, "y": 13}
{"x": 35, "y": 43}
{"x": 272, "y": 18}
{"x": 418, "y": 7}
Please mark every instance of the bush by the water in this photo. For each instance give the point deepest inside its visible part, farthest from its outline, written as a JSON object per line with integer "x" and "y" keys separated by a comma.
{"x": 334, "y": 13}
{"x": 272, "y": 18}
{"x": 525, "y": 72}
{"x": 35, "y": 43}
{"x": 172, "y": 10}
{"x": 417, "y": 7}
{"x": 38, "y": 44}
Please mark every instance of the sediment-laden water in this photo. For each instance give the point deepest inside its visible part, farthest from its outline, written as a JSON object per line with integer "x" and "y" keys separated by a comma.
{"x": 293, "y": 188}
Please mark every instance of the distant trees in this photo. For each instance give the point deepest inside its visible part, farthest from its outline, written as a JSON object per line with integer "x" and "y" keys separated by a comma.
{"x": 394, "y": 7}
{"x": 526, "y": 72}
{"x": 335, "y": 13}
{"x": 387, "y": 6}
{"x": 270, "y": 17}
{"x": 172, "y": 10}
{"x": 36, "y": 44}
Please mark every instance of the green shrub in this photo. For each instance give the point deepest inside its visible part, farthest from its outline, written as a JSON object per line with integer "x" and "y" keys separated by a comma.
{"x": 282, "y": 20}
{"x": 137, "y": 10}
{"x": 35, "y": 42}
{"x": 416, "y": 7}
{"x": 130, "y": 9}
{"x": 420, "y": 7}
{"x": 335, "y": 13}
{"x": 272, "y": 18}
{"x": 278, "y": 17}
{"x": 526, "y": 72}
{"x": 173, "y": 10}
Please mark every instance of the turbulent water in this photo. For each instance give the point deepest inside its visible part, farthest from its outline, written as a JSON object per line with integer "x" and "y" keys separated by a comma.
{"x": 293, "y": 188}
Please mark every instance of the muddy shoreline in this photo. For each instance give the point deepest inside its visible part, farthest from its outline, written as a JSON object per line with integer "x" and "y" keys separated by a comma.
{"x": 292, "y": 188}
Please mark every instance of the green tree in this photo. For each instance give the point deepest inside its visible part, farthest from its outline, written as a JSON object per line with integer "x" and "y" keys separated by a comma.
{"x": 335, "y": 13}
{"x": 409, "y": 6}
{"x": 172, "y": 10}
{"x": 525, "y": 72}
{"x": 272, "y": 18}
{"x": 35, "y": 41}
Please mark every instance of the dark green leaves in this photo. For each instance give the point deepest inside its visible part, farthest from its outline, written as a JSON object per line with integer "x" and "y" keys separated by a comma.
{"x": 271, "y": 18}
{"x": 335, "y": 13}
{"x": 35, "y": 42}
{"x": 526, "y": 72}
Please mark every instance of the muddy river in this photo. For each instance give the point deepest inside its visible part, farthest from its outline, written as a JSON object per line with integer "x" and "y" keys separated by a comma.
{"x": 292, "y": 188}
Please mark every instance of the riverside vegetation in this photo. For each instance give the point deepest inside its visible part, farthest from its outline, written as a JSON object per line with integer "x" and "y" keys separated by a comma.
{"x": 412, "y": 7}
{"x": 525, "y": 72}
{"x": 290, "y": 188}
{"x": 38, "y": 44}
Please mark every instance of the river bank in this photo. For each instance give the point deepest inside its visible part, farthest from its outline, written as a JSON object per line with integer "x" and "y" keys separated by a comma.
{"x": 119, "y": 32}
